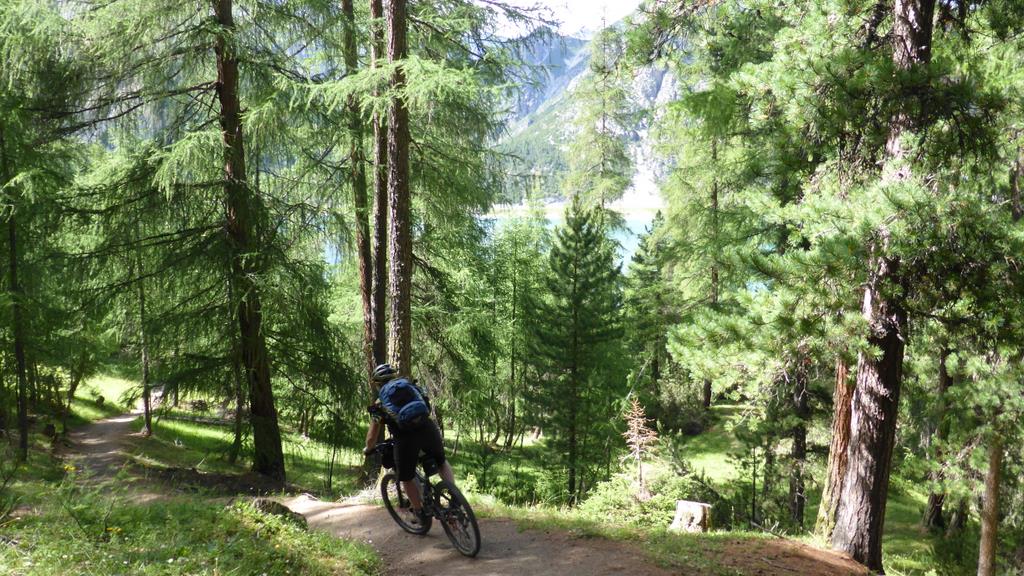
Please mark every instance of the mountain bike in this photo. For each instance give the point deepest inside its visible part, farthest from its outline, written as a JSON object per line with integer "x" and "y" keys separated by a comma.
{"x": 441, "y": 500}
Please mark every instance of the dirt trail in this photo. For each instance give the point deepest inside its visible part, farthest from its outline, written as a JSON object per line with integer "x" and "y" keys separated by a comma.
{"x": 102, "y": 448}
{"x": 99, "y": 448}
{"x": 505, "y": 552}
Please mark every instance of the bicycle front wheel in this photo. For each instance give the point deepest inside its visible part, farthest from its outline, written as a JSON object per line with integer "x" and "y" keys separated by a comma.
{"x": 397, "y": 504}
{"x": 457, "y": 518}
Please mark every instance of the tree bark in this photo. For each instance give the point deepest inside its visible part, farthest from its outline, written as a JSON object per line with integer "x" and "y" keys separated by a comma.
{"x": 990, "y": 509}
{"x": 357, "y": 165}
{"x": 861, "y": 515}
{"x": 933, "y": 515}
{"x": 835, "y": 471}
{"x": 399, "y": 197}
{"x": 380, "y": 203}
{"x": 242, "y": 211}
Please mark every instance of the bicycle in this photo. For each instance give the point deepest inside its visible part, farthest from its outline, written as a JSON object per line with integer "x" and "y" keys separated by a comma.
{"x": 441, "y": 500}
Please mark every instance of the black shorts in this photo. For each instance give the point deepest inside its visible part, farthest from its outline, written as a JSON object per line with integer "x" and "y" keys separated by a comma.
{"x": 409, "y": 444}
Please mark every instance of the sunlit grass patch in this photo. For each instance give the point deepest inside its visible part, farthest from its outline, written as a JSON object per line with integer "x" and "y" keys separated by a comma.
{"x": 712, "y": 452}
{"x": 115, "y": 391}
{"x": 86, "y": 533}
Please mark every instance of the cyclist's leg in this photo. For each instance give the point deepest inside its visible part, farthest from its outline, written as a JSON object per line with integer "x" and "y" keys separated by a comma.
{"x": 447, "y": 473}
{"x": 433, "y": 445}
{"x": 406, "y": 451}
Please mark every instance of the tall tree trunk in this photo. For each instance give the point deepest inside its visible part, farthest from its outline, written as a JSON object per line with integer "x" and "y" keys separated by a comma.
{"x": 713, "y": 296}
{"x": 14, "y": 291}
{"x": 33, "y": 382}
{"x": 143, "y": 343}
{"x": 797, "y": 496}
{"x": 238, "y": 380}
{"x": 243, "y": 210}
{"x": 990, "y": 509}
{"x": 236, "y": 373}
{"x": 357, "y": 164}
{"x": 380, "y": 201}
{"x": 1016, "y": 175}
{"x": 835, "y": 470}
{"x": 379, "y": 273}
{"x": 77, "y": 373}
{"x": 933, "y": 516}
{"x": 399, "y": 196}
{"x": 957, "y": 520}
{"x": 19, "y": 336}
{"x": 861, "y": 516}
{"x": 147, "y": 407}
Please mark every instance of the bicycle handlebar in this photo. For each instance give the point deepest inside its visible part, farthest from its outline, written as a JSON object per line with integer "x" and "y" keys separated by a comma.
{"x": 378, "y": 447}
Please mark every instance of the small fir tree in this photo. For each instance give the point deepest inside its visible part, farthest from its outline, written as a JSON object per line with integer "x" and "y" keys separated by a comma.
{"x": 639, "y": 440}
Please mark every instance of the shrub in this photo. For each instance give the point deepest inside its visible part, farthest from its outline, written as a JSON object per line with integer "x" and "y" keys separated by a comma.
{"x": 616, "y": 499}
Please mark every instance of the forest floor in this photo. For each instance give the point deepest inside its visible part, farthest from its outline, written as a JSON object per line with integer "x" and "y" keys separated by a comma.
{"x": 104, "y": 448}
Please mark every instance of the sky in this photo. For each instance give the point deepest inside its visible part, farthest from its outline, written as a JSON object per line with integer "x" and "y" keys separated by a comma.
{"x": 583, "y": 15}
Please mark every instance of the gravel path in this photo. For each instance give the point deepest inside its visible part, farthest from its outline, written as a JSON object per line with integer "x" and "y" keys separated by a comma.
{"x": 506, "y": 551}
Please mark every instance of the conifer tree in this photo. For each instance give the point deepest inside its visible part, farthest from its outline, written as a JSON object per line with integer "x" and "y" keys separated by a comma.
{"x": 574, "y": 340}
{"x": 39, "y": 80}
{"x": 648, "y": 306}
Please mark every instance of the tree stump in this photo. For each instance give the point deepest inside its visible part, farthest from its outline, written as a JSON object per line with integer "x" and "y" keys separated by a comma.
{"x": 691, "y": 517}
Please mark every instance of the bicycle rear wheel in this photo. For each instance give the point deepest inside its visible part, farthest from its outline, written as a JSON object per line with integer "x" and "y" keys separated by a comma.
{"x": 396, "y": 501}
{"x": 457, "y": 518}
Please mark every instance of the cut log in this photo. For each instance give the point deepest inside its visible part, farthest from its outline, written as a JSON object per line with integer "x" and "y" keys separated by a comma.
{"x": 691, "y": 517}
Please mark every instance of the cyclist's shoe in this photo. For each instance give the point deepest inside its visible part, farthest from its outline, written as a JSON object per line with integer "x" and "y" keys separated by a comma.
{"x": 413, "y": 518}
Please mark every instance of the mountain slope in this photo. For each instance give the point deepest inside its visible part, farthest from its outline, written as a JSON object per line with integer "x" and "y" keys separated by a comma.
{"x": 543, "y": 121}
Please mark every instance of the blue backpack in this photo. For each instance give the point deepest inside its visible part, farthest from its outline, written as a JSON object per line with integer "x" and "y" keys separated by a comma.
{"x": 404, "y": 403}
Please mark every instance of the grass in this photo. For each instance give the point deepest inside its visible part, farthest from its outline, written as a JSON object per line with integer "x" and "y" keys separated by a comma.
{"x": 85, "y": 407}
{"x": 181, "y": 443}
{"x": 65, "y": 524}
{"x": 69, "y": 527}
{"x": 711, "y": 452}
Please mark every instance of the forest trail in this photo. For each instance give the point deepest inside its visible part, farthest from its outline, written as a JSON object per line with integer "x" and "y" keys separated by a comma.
{"x": 101, "y": 450}
{"x": 98, "y": 449}
{"x": 506, "y": 551}
{"x": 509, "y": 551}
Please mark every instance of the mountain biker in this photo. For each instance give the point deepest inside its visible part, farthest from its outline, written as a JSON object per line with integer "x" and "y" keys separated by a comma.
{"x": 409, "y": 441}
